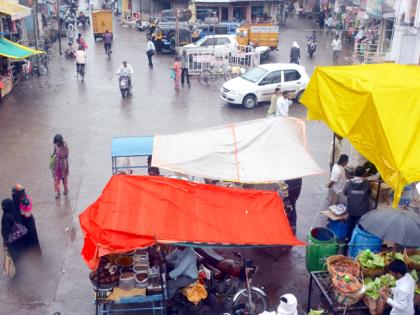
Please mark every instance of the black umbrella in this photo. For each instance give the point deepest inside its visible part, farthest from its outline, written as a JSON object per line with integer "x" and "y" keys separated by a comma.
{"x": 394, "y": 225}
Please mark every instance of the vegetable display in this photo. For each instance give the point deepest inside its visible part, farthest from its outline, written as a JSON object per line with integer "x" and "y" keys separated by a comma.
{"x": 373, "y": 286}
{"x": 315, "y": 312}
{"x": 391, "y": 256}
{"x": 371, "y": 260}
{"x": 415, "y": 258}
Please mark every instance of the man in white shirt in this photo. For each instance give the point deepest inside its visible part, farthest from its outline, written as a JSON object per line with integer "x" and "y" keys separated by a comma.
{"x": 337, "y": 180}
{"x": 402, "y": 300}
{"x": 336, "y": 47}
{"x": 125, "y": 70}
{"x": 80, "y": 61}
{"x": 150, "y": 51}
{"x": 283, "y": 103}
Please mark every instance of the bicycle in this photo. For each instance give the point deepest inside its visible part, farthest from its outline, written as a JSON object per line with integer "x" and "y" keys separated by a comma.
{"x": 80, "y": 70}
{"x": 212, "y": 75}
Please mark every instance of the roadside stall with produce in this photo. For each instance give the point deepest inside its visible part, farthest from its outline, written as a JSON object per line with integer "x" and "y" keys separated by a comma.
{"x": 358, "y": 103}
{"x": 136, "y": 212}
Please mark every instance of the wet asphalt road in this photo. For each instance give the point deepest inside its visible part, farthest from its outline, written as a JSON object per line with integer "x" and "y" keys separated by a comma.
{"x": 89, "y": 114}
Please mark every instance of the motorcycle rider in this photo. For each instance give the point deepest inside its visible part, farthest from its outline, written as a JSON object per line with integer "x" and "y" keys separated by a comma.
{"x": 184, "y": 262}
{"x": 80, "y": 61}
{"x": 82, "y": 19}
{"x": 107, "y": 37}
{"x": 312, "y": 37}
{"x": 125, "y": 70}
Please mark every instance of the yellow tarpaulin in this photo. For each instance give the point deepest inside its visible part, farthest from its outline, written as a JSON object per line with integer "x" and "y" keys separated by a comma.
{"x": 377, "y": 107}
{"x": 16, "y": 11}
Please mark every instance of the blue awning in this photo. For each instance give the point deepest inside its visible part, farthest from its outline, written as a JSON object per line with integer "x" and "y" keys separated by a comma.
{"x": 132, "y": 146}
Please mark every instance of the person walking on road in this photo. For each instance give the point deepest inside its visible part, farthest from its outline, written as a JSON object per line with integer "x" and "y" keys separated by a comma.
{"x": 81, "y": 42}
{"x": 14, "y": 250}
{"x": 178, "y": 71}
{"x": 107, "y": 37}
{"x": 295, "y": 53}
{"x": 336, "y": 47}
{"x": 283, "y": 103}
{"x": 59, "y": 165}
{"x": 272, "y": 109}
{"x": 150, "y": 51}
{"x": 70, "y": 34}
{"x": 184, "y": 71}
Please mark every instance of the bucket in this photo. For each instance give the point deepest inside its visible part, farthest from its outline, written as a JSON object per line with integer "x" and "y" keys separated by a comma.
{"x": 321, "y": 245}
{"x": 340, "y": 228}
{"x": 127, "y": 281}
{"x": 361, "y": 240}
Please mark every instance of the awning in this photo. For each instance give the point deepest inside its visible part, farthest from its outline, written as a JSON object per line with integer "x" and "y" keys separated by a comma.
{"x": 138, "y": 211}
{"x": 16, "y": 11}
{"x": 13, "y": 50}
{"x": 257, "y": 151}
{"x": 377, "y": 107}
{"x": 132, "y": 146}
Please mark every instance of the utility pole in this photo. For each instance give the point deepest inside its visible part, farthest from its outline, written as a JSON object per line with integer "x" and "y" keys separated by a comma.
{"x": 177, "y": 32}
{"x": 35, "y": 10}
{"x": 59, "y": 26}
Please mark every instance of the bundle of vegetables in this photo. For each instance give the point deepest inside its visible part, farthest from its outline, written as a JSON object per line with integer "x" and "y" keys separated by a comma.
{"x": 315, "y": 312}
{"x": 415, "y": 276}
{"x": 390, "y": 256}
{"x": 373, "y": 265}
{"x": 372, "y": 288}
{"x": 414, "y": 261}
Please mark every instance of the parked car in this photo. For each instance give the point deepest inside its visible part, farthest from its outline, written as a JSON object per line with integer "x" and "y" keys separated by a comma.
{"x": 258, "y": 84}
{"x": 222, "y": 42}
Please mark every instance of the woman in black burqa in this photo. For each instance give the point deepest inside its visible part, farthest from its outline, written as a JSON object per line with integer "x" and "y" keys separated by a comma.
{"x": 9, "y": 217}
{"x": 23, "y": 205}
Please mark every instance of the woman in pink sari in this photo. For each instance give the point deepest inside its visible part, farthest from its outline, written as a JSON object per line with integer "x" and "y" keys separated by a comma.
{"x": 60, "y": 164}
{"x": 177, "y": 70}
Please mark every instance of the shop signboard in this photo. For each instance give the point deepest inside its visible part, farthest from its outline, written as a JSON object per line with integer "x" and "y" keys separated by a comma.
{"x": 374, "y": 8}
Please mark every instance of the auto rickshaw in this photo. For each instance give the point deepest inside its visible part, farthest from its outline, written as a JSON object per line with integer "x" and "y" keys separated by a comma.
{"x": 165, "y": 37}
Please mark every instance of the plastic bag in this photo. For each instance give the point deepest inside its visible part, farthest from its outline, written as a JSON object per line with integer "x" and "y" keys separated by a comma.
{"x": 195, "y": 292}
{"x": 8, "y": 266}
{"x": 172, "y": 74}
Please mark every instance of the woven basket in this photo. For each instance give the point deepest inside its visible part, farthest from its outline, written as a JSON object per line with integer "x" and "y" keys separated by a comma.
{"x": 376, "y": 307}
{"x": 352, "y": 285}
{"x": 347, "y": 298}
{"x": 340, "y": 264}
{"x": 411, "y": 264}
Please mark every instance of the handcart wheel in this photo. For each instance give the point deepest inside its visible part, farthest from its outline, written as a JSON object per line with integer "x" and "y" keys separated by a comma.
{"x": 205, "y": 77}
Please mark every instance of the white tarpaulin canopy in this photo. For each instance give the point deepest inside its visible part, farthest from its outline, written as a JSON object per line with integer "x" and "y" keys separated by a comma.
{"x": 257, "y": 151}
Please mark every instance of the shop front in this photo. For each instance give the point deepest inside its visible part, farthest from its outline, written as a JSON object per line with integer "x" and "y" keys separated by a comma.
{"x": 12, "y": 57}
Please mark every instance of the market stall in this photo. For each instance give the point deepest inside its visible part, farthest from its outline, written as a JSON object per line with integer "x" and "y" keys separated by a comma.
{"x": 12, "y": 57}
{"x": 359, "y": 103}
{"x": 136, "y": 212}
{"x": 257, "y": 151}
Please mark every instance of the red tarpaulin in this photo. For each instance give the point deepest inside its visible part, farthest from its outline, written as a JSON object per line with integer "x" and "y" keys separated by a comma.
{"x": 138, "y": 211}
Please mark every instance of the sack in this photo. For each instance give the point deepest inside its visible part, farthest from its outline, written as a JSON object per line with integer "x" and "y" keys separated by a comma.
{"x": 8, "y": 266}
{"x": 195, "y": 292}
{"x": 53, "y": 160}
{"x": 18, "y": 231}
{"x": 172, "y": 74}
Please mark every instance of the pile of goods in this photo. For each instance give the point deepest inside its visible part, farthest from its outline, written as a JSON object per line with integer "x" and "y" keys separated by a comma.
{"x": 390, "y": 256}
{"x": 128, "y": 271}
{"x": 345, "y": 274}
{"x": 373, "y": 265}
{"x": 372, "y": 290}
{"x": 107, "y": 274}
{"x": 413, "y": 258}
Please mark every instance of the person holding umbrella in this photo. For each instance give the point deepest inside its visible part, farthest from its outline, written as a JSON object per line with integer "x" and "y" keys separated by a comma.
{"x": 402, "y": 300}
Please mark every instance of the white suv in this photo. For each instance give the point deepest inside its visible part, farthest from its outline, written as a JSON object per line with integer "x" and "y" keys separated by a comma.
{"x": 258, "y": 84}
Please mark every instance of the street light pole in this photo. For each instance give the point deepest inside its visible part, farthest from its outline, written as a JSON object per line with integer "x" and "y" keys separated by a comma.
{"x": 59, "y": 26}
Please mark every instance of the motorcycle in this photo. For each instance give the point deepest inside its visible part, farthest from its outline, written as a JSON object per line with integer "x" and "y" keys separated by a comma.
{"x": 124, "y": 85}
{"x": 142, "y": 26}
{"x": 311, "y": 47}
{"x": 70, "y": 52}
{"x": 231, "y": 278}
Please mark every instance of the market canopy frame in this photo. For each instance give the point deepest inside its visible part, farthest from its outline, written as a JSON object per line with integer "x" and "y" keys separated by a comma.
{"x": 257, "y": 151}
{"x": 14, "y": 50}
{"x": 377, "y": 107}
{"x": 139, "y": 211}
